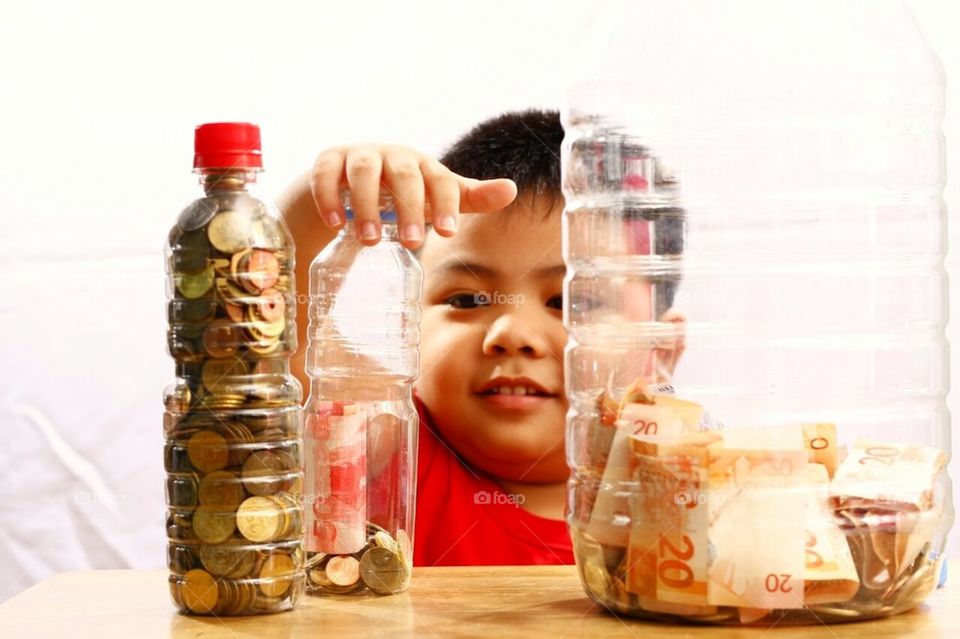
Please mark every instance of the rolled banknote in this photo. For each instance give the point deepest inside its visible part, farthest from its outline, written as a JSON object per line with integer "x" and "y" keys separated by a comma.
{"x": 886, "y": 493}
{"x": 335, "y": 475}
{"x": 887, "y": 475}
{"x": 668, "y": 553}
{"x": 829, "y": 572}
{"x": 610, "y": 517}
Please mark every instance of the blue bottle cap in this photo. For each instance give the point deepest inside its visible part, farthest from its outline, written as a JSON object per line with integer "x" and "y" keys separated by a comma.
{"x": 388, "y": 210}
{"x": 389, "y": 216}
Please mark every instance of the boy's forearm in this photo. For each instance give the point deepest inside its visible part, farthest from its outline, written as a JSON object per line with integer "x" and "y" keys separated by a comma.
{"x": 310, "y": 235}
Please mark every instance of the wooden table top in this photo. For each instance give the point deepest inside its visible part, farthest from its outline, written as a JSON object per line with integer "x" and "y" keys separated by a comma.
{"x": 529, "y": 601}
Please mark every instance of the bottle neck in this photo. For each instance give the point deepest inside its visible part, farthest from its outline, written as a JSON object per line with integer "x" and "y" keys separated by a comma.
{"x": 227, "y": 179}
{"x": 388, "y": 231}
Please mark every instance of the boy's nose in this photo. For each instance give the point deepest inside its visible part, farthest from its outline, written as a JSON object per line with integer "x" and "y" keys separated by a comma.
{"x": 511, "y": 335}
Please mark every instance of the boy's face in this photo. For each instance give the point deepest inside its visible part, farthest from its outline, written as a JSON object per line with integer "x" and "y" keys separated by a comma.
{"x": 493, "y": 339}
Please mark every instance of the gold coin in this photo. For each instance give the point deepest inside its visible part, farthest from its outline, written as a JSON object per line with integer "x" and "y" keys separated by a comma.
{"x": 221, "y": 489}
{"x": 213, "y": 525}
{"x": 292, "y": 513}
{"x": 264, "y": 472}
{"x": 594, "y": 577}
{"x": 221, "y": 339}
{"x": 229, "y": 231}
{"x": 406, "y": 548}
{"x": 208, "y": 451}
{"x": 343, "y": 571}
{"x": 221, "y": 266}
{"x": 230, "y": 559}
{"x": 273, "y": 434}
{"x": 270, "y": 306}
{"x": 296, "y": 487}
{"x": 219, "y": 374}
{"x": 222, "y": 402}
{"x": 241, "y": 440}
{"x": 199, "y": 591}
{"x": 382, "y": 539}
{"x": 230, "y": 293}
{"x": 228, "y": 597}
{"x": 176, "y": 592}
{"x": 234, "y": 311}
{"x": 285, "y": 282}
{"x": 237, "y": 264}
{"x": 193, "y": 286}
{"x": 260, "y": 519}
{"x": 276, "y": 575}
{"x": 241, "y": 597}
{"x": 383, "y": 571}
{"x": 260, "y": 330}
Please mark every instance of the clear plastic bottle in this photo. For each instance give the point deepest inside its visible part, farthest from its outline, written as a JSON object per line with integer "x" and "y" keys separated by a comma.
{"x": 757, "y": 365}
{"x": 233, "y": 419}
{"x": 361, "y": 423}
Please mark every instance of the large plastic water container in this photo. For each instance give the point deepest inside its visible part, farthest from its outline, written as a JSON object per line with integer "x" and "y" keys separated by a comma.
{"x": 756, "y": 299}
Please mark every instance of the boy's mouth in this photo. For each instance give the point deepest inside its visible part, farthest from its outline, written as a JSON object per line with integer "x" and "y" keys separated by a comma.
{"x": 515, "y": 393}
{"x": 513, "y": 386}
{"x": 516, "y": 390}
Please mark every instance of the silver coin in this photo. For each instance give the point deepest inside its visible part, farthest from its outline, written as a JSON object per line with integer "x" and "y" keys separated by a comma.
{"x": 198, "y": 214}
{"x": 266, "y": 233}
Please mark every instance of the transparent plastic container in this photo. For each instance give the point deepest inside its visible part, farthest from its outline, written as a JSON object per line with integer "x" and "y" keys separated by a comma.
{"x": 756, "y": 300}
{"x": 233, "y": 419}
{"x": 361, "y": 423}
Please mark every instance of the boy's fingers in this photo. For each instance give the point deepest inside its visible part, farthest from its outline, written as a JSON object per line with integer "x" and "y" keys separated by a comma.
{"x": 325, "y": 186}
{"x": 403, "y": 177}
{"x": 484, "y": 196}
{"x": 363, "y": 168}
{"x": 443, "y": 193}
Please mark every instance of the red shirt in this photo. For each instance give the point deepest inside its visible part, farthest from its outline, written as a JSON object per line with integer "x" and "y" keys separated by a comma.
{"x": 464, "y": 519}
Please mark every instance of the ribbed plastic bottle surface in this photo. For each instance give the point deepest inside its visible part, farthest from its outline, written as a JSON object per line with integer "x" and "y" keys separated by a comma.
{"x": 361, "y": 423}
{"x": 757, "y": 366}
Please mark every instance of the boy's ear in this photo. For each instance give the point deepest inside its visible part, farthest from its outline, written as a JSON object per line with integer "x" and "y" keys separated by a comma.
{"x": 668, "y": 355}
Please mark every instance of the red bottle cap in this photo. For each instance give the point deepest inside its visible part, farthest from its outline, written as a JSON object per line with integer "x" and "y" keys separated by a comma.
{"x": 227, "y": 145}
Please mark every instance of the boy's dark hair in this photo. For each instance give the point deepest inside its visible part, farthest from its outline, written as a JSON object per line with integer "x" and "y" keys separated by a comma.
{"x": 521, "y": 145}
{"x": 524, "y": 146}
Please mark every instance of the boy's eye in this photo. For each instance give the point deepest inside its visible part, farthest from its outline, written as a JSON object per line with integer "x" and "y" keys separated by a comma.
{"x": 555, "y": 302}
{"x": 467, "y": 300}
{"x": 584, "y": 303}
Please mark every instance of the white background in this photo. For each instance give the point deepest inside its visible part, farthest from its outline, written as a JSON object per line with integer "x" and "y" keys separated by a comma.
{"x": 99, "y": 101}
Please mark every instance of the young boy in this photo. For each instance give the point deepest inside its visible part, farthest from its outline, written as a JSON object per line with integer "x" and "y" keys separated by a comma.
{"x": 491, "y": 467}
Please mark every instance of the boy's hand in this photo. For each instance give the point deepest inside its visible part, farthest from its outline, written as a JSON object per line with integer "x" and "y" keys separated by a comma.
{"x": 423, "y": 189}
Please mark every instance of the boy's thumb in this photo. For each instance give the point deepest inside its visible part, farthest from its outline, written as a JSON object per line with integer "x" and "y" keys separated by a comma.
{"x": 484, "y": 196}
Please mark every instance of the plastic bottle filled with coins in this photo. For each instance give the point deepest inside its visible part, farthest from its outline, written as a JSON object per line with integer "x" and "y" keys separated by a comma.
{"x": 361, "y": 424}
{"x": 233, "y": 422}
